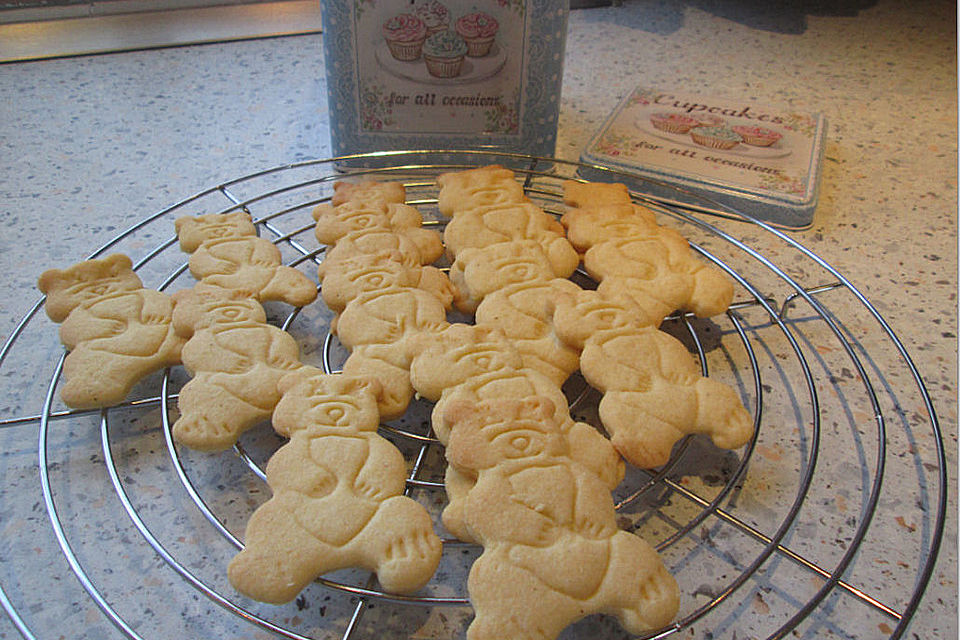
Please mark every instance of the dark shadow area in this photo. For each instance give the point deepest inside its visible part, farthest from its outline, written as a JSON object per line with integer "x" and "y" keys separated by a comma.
{"x": 781, "y": 16}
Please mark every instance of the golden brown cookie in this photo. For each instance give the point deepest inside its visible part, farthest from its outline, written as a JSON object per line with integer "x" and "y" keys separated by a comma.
{"x": 236, "y": 359}
{"x": 483, "y": 226}
{"x": 653, "y": 392}
{"x": 337, "y": 497}
{"x": 552, "y": 550}
{"x": 117, "y": 331}
{"x": 483, "y": 186}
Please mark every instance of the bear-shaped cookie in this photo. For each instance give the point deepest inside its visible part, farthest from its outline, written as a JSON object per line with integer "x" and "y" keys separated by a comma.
{"x": 192, "y": 231}
{"x": 375, "y": 326}
{"x": 117, "y": 331}
{"x": 475, "y": 362}
{"x": 625, "y": 248}
{"x": 236, "y": 359}
{"x": 516, "y": 288}
{"x": 488, "y": 225}
{"x": 336, "y": 222}
{"x": 370, "y": 192}
{"x": 336, "y": 500}
{"x": 653, "y": 391}
{"x": 552, "y": 551}
{"x": 223, "y": 258}
{"x": 343, "y": 281}
{"x": 480, "y": 187}
{"x": 577, "y": 193}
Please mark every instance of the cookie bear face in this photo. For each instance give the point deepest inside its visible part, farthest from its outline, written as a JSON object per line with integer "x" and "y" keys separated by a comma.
{"x": 85, "y": 282}
{"x": 360, "y": 273}
{"x": 194, "y": 231}
{"x": 460, "y": 352}
{"x": 370, "y": 192}
{"x": 478, "y": 272}
{"x": 331, "y": 402}
{"x": 589, "y": 313}
{"x": 196, "y": 309}
{"x": 492, "y": 432}
{"x": 350, "y": 218}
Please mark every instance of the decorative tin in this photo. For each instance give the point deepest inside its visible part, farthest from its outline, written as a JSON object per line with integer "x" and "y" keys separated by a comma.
{"x": 761, "y": 161}
{"x": 450, "y": 74}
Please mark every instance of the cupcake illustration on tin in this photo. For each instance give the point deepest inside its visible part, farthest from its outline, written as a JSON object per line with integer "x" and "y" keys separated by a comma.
{"x": 758, "y": 136}
{"x": 405, "y": 35}
{"x": 478, "y": 30}
{"x": 444, "y": 52}
{"x": 716, "y": 137}
{"x": 435, "y": 16}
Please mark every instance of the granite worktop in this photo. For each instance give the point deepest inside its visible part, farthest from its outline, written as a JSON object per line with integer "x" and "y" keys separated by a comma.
{"x": 90, "y": 145}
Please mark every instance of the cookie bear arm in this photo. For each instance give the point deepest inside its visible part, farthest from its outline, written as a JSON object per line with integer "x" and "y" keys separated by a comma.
{"x": 384, "y": 472}
{"x": 492, "y": 517}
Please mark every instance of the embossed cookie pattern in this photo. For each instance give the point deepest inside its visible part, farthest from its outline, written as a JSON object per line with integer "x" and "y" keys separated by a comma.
{"x": 116, "y": 331}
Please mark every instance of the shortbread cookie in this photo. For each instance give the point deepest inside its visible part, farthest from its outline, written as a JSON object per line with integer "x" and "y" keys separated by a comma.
{"x": 413, "y": 247}
{"x": 480, "y": 271}
{"x": 472, "y": 188}
{"x": 517, "y": 289}
{"x": 236, "y": 360}
{"x": 470, "y": 362}
{"x": 116, "y": 330}
{"x": 624, "y": 249}
{"x": 347, "y": 278}
{"x": 336, "y": 500}
{"x": 224, "y": 259}
{"x": 591, "y": 194}
{"x": 371, "y": 192}
{"x": 483, "y": 226}
{"x": 653, "y": 392}
{"x": 552, "y": 551}
{"x": 336, "y": 222}
{"x": 375, "y": 326}
{"x": 192, "y": 231}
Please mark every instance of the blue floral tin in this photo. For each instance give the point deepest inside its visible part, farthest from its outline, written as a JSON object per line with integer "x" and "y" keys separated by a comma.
{"x": 444, "y": 74}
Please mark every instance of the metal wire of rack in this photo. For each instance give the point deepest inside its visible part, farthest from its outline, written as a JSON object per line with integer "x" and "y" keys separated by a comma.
{"x": 792, "y": 535}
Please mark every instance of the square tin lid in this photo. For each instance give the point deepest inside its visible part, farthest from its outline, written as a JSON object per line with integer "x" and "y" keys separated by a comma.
{"x": 759, "y": 160}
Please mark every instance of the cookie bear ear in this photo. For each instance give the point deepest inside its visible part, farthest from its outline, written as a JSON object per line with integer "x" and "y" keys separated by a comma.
{"x": 292, "y": 379}
{"x": 49, "y": 279}
{"x": 118, "y": 263}
{"x": 539, "y": 407}
{"x": 356, "y": 384}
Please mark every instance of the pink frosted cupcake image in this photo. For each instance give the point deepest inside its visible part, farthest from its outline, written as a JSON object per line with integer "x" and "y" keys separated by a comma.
{"x": 758, "y": 136}
{"x": 434, "y": 15}
{"x": 673, "y": 122}
{"x": 405, "y": 35}
{"x": 443, "y": 52}
{"x": 715, "y": 137}
{"x": 478, "y": 30}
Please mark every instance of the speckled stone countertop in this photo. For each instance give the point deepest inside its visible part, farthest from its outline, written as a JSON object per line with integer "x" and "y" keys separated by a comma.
{"x": 92, "y": 145}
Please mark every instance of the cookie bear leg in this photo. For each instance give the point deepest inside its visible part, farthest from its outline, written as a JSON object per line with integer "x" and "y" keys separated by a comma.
{"x": 509, "y": 602}
{"x": 644, "y": 439}
{"x": 212, "y": 418}
{"x": 400, "y": 545}
{"x": 280, "y": 557}
{"x": 638, "y": 589}
{"x": 721, "y": 414}
{"x": 94, "y": 379}
{"x": 290, "y": 286}
{"x": 457, "y": 485}
{"x": 395, "y": 381}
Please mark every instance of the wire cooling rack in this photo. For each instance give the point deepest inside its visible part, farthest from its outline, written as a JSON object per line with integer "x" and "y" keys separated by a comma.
{"x": 827, "y": 524}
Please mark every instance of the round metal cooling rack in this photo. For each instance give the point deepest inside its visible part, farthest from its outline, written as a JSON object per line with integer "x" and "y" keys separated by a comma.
{"x": 112, "y": 530}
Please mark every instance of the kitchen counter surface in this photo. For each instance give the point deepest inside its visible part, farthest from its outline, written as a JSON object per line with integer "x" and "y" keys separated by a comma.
{"x": 90, "y": 145}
